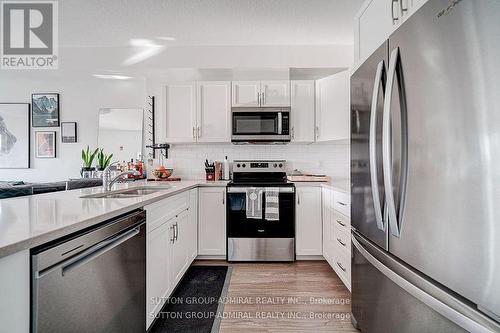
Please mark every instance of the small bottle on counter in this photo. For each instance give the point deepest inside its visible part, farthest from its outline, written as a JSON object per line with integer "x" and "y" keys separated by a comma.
{"x": 225, "y": 169}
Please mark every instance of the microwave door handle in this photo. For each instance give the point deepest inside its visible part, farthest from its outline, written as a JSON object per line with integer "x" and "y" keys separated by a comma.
{"x": 280, "y": 123}
{"x": 373, "y": 147}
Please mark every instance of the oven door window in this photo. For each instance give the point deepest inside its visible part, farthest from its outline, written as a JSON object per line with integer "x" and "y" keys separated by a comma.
{"x": 248, "y": 123}
{"x": 238, "y": 225}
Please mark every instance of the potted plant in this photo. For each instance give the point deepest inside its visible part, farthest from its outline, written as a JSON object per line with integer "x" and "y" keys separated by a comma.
{"x": 103, "y": 160}
{"x": 88, "y": 157}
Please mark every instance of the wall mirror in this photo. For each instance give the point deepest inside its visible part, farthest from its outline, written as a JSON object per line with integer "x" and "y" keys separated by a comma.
{"x": 121, "y": 133}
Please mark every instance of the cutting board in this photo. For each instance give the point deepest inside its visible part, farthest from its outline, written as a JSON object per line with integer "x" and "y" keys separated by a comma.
{"x": 309, "y": 178}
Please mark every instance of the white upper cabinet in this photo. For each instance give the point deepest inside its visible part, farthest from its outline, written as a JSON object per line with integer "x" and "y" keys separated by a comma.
{"x": 213, "y": 111}
{"x": 302, "y": 114}
{"x": 180, "y": 111}
{"x": 332, "y": 107}
{"x": 261, "y": 93}
{"x": 275, "y": 93}
{"x": 308, "y": 222}
{"x": 375, "y": 22}
{"x": 246, "y": 93}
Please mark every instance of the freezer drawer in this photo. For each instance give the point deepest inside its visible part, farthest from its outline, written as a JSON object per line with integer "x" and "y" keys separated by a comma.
{"x": 389, "y": 297}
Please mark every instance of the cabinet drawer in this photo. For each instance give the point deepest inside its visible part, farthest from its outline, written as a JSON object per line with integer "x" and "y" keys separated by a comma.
{"x": 342, "y": 238}
{"x": 342, "y": 265}
{"x": 342, "y": 203}
{"x": 341, "y": 221}
{"x": 160, "y": 212}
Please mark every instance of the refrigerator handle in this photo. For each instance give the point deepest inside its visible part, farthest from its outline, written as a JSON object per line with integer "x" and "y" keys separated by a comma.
{"x": 373, "y": 147}
{"x": 442, "y": 306}
{"x": 386, "y": 147}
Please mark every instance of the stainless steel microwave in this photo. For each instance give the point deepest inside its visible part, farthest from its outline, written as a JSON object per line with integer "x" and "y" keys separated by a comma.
{"x": 260, "y": 125}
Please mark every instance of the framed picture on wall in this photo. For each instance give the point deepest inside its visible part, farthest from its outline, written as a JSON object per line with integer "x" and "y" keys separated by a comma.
{"x": 45, "y": 144}
{"x": 68, "y": 132}
{"x": 45, "y": 109}
{"x": 14, "y": 135}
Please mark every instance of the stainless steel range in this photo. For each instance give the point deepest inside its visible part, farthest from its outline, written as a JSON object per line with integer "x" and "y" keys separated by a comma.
{"x": 260, "y": 212}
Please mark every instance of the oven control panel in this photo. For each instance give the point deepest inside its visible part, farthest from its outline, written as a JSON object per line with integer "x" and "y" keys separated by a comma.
{"x": 259, "y": 166}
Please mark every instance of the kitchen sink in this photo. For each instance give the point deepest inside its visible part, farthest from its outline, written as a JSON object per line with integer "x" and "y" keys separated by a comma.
{"x": 128, "y": 193}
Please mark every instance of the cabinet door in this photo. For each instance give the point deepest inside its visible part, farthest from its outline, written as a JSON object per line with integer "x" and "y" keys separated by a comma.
{"x": 180, "y": 248}
{"x": 193, "y": 225}
{"x": 302, "y": 115}
{"x": 332, "y": 107}
{"x": 212, "y": 221}
{"x": 214, "y": 111}
{"x": 275, "y": 93}
{"x": 374, "y": 24}
{"x": 180, "y": 111}
{"x": 15, "y": 290}
{"x": 158, "y": 280}
{"x": 308, "y": 223}
{"x": 245, "y": 93}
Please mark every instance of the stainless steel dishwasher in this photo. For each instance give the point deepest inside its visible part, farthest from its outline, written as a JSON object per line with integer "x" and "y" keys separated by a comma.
{"x": 94, "y": 281}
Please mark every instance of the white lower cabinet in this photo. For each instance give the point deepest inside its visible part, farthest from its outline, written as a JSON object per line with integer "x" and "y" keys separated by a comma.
{"x": 169, "y": 247}
{"x": 308, "y": 226}
{"x": 15, "y": 291}
{"x": 212, "y": 221}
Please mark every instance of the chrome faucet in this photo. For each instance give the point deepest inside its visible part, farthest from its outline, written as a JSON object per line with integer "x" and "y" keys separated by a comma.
{"x": 107, "y": 181}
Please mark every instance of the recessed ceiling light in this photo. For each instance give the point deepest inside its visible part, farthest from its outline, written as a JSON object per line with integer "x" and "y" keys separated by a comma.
{"x": 166, "y": 38}
{"x": 112, "y": 76}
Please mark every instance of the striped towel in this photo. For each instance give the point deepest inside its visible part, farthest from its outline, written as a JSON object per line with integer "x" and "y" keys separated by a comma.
{"x": 272, "y": 212}
{"x": 254, "y": 203}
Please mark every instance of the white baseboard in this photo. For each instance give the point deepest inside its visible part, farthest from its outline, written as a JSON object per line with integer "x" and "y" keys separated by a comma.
{"x": 210, "y": 257}
{"x": 308, "y": 257}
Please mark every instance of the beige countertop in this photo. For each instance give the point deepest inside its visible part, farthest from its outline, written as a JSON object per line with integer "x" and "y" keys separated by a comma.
{"x": 26, "y": 222}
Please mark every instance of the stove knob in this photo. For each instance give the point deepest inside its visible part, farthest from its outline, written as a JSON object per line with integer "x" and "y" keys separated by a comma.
{"x": 238, "y": 165}
{"x": 275, "y": 165}
{"x": 281, "y": 165}
{"x": 244, "y": 165}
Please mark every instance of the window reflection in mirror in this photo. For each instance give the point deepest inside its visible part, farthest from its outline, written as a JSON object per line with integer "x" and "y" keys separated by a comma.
{"x": 121, "y": 133}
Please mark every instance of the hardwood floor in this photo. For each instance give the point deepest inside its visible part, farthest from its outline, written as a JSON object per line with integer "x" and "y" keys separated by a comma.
{"x": 305, "y": 296}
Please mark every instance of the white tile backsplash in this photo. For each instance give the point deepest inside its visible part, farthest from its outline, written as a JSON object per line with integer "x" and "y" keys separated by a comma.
{"x": 331, "y": 159}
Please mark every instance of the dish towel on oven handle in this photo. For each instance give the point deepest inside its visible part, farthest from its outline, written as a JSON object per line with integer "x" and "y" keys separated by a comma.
{"x": 272, "y": 211}
{"x": 254, "y": 203}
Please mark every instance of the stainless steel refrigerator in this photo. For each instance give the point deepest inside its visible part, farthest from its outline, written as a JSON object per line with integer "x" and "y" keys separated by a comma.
{"x": 425, "y": 173}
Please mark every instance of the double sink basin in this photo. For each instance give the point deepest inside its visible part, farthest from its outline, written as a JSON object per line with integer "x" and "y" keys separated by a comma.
{"x": 129, "y": 193}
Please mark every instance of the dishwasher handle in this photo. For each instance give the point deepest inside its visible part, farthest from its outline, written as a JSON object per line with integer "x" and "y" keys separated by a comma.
{"x": 91, "y": 253}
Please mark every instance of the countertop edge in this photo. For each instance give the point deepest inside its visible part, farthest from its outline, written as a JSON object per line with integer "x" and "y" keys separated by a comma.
{"x": 35, "y": 241}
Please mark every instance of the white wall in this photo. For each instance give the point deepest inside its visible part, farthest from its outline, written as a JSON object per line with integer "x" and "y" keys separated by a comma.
{"x": 81, "y": 97}
{"x": 327, "y": 158}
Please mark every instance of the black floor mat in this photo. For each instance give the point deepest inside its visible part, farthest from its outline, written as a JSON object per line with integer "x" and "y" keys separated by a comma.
{"x": 193, "y": 305}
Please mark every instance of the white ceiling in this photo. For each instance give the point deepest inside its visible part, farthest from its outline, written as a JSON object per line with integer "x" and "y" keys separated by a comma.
{"x": 84, "y": 23}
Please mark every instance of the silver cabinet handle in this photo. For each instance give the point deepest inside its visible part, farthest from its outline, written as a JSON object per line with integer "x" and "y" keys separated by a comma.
{"x": 403, "y": 9}
{"x": 340, "y": 265}
{"x": 372, "y": 143}
{"x": 298, "y": 198}
{"x": 172, "y": 240}
{"x": 194, "y": 132}
{"x": 341, "y": 223}
{"x": 395, "y": 18}
{"x": 341, "y": 242}
{"x": 317, "y": 132}
{"x": 223, "y": 198}
{"x": 258, "y": 98}
{"x": 293, "y": 132}
{"x": 341, "y": 203}
{"x": 176, "y": 225}
{"x": 199, "y": 132}
{"x": 263, "y": 98}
